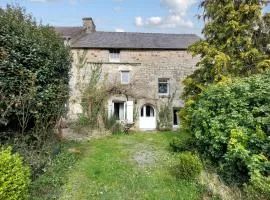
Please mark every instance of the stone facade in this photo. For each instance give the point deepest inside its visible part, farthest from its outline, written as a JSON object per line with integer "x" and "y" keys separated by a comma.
{"x": 145, "y": 67}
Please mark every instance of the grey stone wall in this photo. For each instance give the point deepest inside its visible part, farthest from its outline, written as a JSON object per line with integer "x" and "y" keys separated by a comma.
{"x": 145, "y": 66}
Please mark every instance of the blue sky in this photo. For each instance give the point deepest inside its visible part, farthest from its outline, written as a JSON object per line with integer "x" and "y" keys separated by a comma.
{"x": 166, "y": 16}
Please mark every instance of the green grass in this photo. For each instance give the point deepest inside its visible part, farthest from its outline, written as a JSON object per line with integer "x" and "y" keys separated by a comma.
{"x": 109, "y": 168}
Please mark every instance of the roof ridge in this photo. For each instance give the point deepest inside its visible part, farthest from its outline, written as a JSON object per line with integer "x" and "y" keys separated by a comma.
{"x": 146, "y": 33}
{"x": 67, "y": 26}
{"x": 129, "y": 32}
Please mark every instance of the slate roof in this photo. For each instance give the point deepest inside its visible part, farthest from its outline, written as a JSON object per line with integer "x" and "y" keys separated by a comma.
{"x": 126, "y": 40}
{"x": 69, "y": 32}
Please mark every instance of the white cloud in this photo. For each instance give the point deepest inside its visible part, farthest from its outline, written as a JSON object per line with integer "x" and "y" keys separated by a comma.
{"x": 139, "y": 21}
{"x": 119, "y": 30}
{"x": 154, "y": 21}
{"x": 171, "y": 21}
{"x": 176, "y": 15}
{"x": 178, "y": 7}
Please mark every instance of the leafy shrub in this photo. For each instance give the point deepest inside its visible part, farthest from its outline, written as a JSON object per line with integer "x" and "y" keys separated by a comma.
{"x": 109, "y": 122}
{"x": 117, "y": 128}
{"x": 37, "y": 150}
{"x": 184, "y": 142}
{"x": 34, "y": 72}
{"x": 14, "y": 177}
{"x": 188, "y": 166}
{"x": 83, "y": 121}
{"x": 231, "y": 123}
{"x": 112, "y": 124}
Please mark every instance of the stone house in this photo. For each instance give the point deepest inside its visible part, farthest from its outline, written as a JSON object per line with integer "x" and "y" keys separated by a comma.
{"x": 149, "y": 68}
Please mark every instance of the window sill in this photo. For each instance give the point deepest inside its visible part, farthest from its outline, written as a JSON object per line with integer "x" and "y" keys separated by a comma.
{"x": 163, "y": 95}
{"x": 114, "y": 61}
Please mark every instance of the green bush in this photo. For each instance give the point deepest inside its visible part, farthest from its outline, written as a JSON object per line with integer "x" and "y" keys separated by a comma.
{"x": 231, "y": 123}
{"x": 14, "y": 177}
{"x": 188, "y": 166}
{"x": 34, "y": 72}
{"x": 37, "y": 153}
{"x": 184, "y": 142}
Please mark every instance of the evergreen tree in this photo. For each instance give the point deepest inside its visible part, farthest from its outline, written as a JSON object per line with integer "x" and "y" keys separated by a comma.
{"x": 235, "y": 43}
{"x": 34, "y": 72}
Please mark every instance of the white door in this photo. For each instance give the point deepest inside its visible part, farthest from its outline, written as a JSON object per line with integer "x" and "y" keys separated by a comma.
{"x": 147, "y": 118}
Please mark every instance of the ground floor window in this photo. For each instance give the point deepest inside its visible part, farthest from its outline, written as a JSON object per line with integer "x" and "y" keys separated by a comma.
{"x": 119, "y": 110}
{"x": 176, "y": 116}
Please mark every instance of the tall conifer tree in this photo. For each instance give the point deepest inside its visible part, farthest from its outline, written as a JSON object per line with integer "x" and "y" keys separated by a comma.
{"x": 235, "y": 43}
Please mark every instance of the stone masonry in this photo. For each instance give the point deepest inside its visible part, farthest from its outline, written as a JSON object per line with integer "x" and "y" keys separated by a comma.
{"x": 145, "y": 66}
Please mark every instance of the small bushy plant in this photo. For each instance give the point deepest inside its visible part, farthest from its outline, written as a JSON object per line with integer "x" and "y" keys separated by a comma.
{"x": 109, "y": 122}
{"x": 188, "y": 166}
{"x": 117, "y": 128}
{"x": 14, "y": 176}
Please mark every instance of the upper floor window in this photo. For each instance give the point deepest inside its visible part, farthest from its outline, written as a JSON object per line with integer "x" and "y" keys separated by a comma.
{"x": 125, "y": 77}
{"x": 163, "y": 86}
{"x": 114, "y": 55}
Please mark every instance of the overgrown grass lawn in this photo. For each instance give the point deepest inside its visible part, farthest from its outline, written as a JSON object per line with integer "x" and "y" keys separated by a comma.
{"x": 135, "y": 166}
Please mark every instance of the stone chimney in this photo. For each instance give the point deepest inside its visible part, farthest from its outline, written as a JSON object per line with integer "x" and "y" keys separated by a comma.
{"x": 89, "y": 25}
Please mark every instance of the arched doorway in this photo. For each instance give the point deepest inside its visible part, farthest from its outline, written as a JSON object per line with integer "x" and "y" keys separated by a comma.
{"x": 147, "y": 117}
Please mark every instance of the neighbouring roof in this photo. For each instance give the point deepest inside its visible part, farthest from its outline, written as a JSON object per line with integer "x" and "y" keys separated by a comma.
{"x": 126, "y": 40}
{"x": 69, "y": 31}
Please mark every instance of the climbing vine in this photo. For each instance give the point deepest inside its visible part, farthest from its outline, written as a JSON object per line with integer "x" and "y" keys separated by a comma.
{"x": 165, "y": 114}
{"x": 94, "y": 98}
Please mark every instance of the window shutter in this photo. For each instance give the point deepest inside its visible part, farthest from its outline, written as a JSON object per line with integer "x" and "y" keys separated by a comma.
{"x": 130, "y": 111}
{"x": 110, "y": 108}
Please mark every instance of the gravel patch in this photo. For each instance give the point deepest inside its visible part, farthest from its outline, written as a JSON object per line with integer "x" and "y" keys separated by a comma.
{"x": 144, "y": 158}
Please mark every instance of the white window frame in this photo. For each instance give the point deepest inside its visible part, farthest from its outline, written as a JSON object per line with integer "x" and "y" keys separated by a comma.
{"x": 122, "y": 72}
{"x": 164, "y": 81}
{"x": 114, "y": 55}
